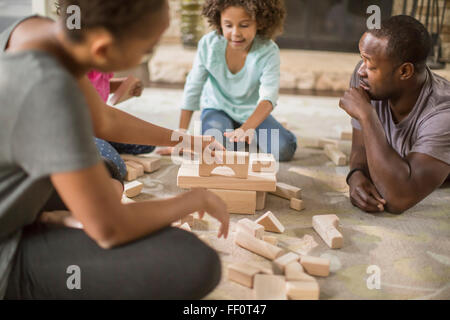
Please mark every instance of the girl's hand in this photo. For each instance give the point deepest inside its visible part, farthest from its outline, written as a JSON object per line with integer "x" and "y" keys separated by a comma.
{"x": 215, "y": 207}
{"x": 240, "y": 135}
{"x": 136, "y": 89}
{"x": 62, "y": 218}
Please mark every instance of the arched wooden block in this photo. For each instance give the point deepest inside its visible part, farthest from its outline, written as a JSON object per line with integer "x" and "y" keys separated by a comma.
{"x": 236, "y": 161}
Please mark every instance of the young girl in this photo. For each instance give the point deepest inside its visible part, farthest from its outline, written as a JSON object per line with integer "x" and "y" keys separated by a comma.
{"x": 49, "y": 115}
{"x": 236, "y": 74}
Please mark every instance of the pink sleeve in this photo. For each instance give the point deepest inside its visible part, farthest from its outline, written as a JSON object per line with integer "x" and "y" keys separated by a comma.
{"x": 100, "y": 81}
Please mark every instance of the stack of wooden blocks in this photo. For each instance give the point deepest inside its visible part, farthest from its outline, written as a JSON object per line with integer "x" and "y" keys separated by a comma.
{"x": 241, "y": 179}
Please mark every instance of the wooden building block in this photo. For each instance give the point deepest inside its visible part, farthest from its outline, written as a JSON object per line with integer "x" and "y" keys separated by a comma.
{"x": 189, "y": 219}
{"x": 149, "y": 164}
{"x": 281, "y": 262}
{"x": 326, "y": 141}
{"x": 132, "y": 173}
{"x": 295, "y": 272}
{"x": 200, "y": 224}
{"x": 139, "y": 167}
{"x": 269, "y": 287}
{"x": 238, "y": 201}
{"x": 251, "y": 227}
{"x": 242, "y": 273}
{"x": 326, "y": 227}
{"x": 261, "y": 200}
{"x": 270, "y": 222}
{"x": 247, "y": 241}
{"x": 124, "y": 92}
{"x": 188, "y": 178}
{"x": 286, "y": 191}
{"x": 132, "y": 189}
{"x": 302, "y": 290}
{"x": 185, "y": 226}
{"x": 262, "y": 162}
{"x": 297, "y": 204}
{"x": 126, "y": 200}
{"x": 236, "y": 161}
{"x": 271, "y": 239}
{"x": 346, "y": 135}
{"x": 335, "y": 155}
{"x": 316, "y": 266}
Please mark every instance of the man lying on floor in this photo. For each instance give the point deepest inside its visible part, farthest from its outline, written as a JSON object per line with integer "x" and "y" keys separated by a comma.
{"x": 401, "y": 119}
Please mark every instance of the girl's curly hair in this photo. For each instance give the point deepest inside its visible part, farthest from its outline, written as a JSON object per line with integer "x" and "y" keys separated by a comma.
{"x": 269, "y": 14}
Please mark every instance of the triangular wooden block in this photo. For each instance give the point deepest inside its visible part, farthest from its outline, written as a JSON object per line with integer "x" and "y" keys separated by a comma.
{"x": 270, "y": 222}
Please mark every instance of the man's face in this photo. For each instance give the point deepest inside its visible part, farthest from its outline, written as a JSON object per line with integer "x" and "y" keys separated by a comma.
{"x": 238, "y": 27}
{"x": 377, "y": 71}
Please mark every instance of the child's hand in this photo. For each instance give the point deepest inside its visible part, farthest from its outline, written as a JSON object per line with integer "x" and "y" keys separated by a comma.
{"x": 215, "y": 207}
{"x": 136, "y": 89}
{"x": 240, "y": 135}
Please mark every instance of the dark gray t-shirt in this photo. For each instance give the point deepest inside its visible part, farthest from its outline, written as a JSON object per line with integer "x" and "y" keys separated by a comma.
{"x": 45, "y": 128}
{"x": 426, "y": 129}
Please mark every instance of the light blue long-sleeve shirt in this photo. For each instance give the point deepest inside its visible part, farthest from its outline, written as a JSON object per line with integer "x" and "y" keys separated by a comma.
{"x": 210, "y": 84}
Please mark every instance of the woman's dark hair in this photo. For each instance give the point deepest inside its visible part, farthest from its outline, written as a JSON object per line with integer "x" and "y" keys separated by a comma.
{"x": 269, "y": 14}
{"x": 120, "y": 17}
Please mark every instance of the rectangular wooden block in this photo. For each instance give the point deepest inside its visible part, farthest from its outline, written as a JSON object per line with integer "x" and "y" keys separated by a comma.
{"x": 346, "y": 135}
{"x": 261, "y": 200}
{"x": 281, "y": 262}
{"x": 271, "y": 239}
{"x": 189, "y": 219}
{"x": 270, "y": 222}
{"x": 188, "y": 177}
{"x": 326, "y": 228}
{"x": 303, "y": 290}
{"x": 263, "y": 248}
{"x": 132, "y": 173}
{"x": 269, "y": 287}
{"x": 242, "y": 273}
{"x": 335, "y": 155}
{"x": 132, "y": 189}
{"x": 316, "y": 266}
{"x": 295, "y": 272}
{"x": 238, "y": 162}
{"x": 149, "y": 164}
{"x": 251, "y": 227}
{"x": 326, "y": 141}
{"x": 238, "y": 201}
{"x": 297, "y": 204}
{"x": 287, "y": 191}
{"x": 137, "y": 166}
{"x": 262, "y": 162}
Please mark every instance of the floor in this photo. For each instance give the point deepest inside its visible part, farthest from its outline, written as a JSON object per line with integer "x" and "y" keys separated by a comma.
{"x": 412, "y": 250}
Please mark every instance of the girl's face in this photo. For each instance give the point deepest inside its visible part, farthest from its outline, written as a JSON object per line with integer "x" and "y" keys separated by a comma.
{"x": 238, "y": 27}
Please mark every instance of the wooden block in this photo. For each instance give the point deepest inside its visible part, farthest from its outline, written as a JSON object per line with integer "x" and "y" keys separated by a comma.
{"x": 262, "y": 162}
{"x": 335, "y": 155}
{"x": 294, "y": 272}
{"x": 132, "y": 189}
{"x": 326, "y": 141}
{"x": 302, "y": 290}
{"x": 281, "y": 262}
{"x": 236, "y": 161}
{"x": 251, "y": 227}
{"x": 188, "y": 177}
{"x": 242, "y": 273}
{"x": 261, "y": 200}
{"x": 316, "y": 266}
{"x": 247, "y": 241}
{"x": 326, "y": 228}
{"x": 200, "y": 224}
{"x": 238, "y": 201}
{"x": 346, "y": 135}
{"x": 185, "y": 226}
{"x": 271, "y": 239}
{"x": 189, "y": 219}
{"x": 126, "y": 200}
{"x": 124, "y": 92}
{"x": 139, "y": 167}
{"x": 149, "y": 164}
{"x": 286, "y": 191}
{"x": 269, "y": 287}
{"x": 297, "y": 204}
{"x": 270, "y": 222}
{"x": 132, "y": 173}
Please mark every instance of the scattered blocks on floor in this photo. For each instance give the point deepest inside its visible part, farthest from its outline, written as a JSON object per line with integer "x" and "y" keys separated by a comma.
{"x": 271, "y": 239}
{"x": 297, "y": 204}
{"x": 287, "y": 191}
{"x": 260, "y": 247}
{"x": 269, "y": 287}
{"x": 133, "y": 189}
{"x": 316, "y": 266}
{"x": 243, "y": 273}
{"x": 281, "y": 262}
{"x": 335, "y": 155}
{"x": 326, "y": 227}
{"x": 150, "y": 164}
{"x": 251, "y": 227}
{"x": 303, "y": 290}
{"x": 270, "y": 222}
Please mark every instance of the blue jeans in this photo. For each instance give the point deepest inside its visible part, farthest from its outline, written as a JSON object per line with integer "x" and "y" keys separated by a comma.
{"x": 110, "y": 153}
{"x": 271, "y": 136}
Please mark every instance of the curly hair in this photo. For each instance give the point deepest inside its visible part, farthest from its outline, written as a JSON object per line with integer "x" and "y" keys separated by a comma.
{"x": 120, "y": 17}
{"x": 269, "y": 14}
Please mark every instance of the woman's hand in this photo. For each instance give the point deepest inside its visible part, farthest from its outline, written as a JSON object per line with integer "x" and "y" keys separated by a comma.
{"x": 215, "y": 207}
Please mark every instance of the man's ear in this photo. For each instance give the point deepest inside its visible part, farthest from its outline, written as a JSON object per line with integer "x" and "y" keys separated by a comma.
{"x": 406, "y": 70}
{"x": 101, "y": 45}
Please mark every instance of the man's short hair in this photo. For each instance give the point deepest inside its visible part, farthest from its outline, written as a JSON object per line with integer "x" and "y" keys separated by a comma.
{"x": 408, "y": 40}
